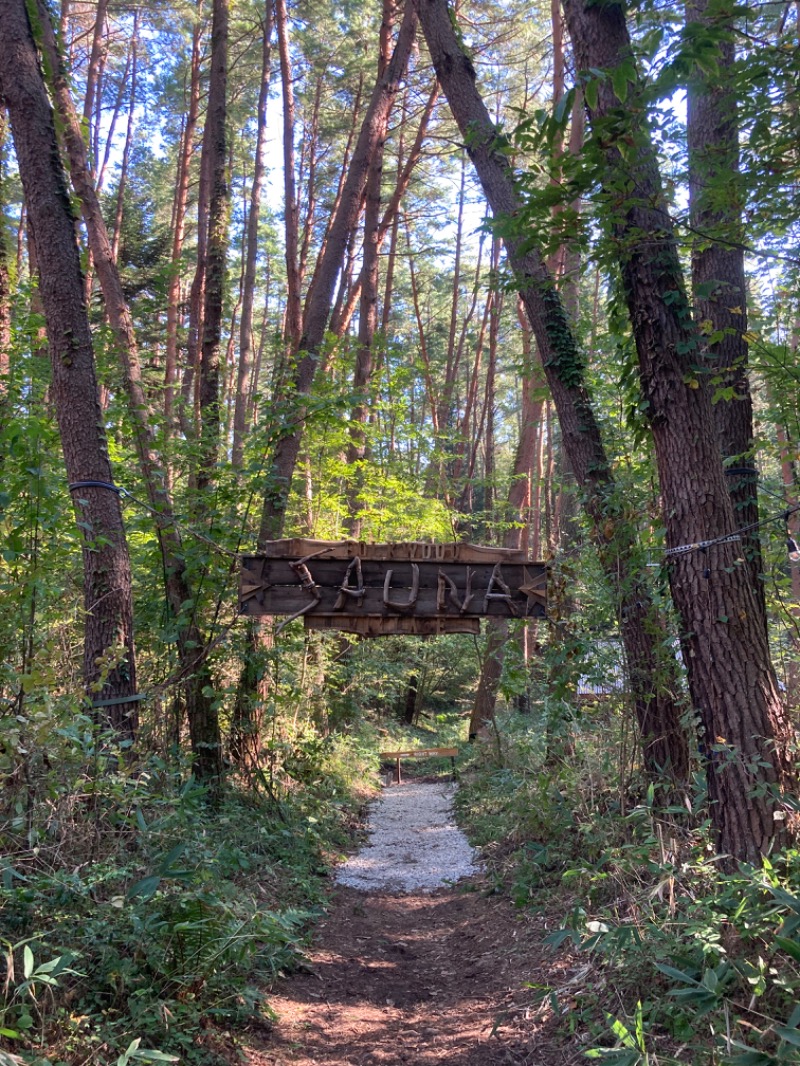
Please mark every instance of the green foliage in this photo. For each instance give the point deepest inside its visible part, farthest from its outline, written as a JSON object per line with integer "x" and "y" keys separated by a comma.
{"x": 639, "y": 896}
{"x": 137, "y": 920}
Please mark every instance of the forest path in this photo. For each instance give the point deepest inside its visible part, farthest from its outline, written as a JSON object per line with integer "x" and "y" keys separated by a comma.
{"x": 422, "y": 978}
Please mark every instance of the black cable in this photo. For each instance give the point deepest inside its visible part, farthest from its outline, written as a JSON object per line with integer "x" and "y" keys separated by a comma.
{"x": 95, "y": 485}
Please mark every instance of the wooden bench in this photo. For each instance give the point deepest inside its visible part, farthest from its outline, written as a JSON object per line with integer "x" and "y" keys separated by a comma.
{"x": 420, "y": 753}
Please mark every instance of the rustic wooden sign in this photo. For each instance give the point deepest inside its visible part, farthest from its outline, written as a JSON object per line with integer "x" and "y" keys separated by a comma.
{"x": 383, "y": 589}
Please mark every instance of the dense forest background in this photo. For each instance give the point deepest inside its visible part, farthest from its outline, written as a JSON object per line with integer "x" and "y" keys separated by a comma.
{"x": 500, "y": 273}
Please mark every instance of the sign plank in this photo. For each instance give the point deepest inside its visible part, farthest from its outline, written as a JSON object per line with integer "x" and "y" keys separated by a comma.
{"x": 379, "y": 589}
{"x": 411, "y": 551}
{"x": 374, "y": 626}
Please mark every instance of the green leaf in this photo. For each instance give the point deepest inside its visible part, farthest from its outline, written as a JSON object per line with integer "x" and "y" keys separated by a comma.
{"x": 748, "y": 1057}
{"x": 28, "y": 964}
{"x": 791, "y": 1036}
{"x": 146, "y": 888}
{"x": 127, "y": 1055}
{"x": 51, "y": 966}
{"x": 791, "y": 947}
{"x": 170, "y": 858}
{"x": 620, "y": 1031}
{"x": 563, "y": 108}
{"x": 619, "y": 81}
{"x": 676, "y": 975}
{"x": 590, "y": 91}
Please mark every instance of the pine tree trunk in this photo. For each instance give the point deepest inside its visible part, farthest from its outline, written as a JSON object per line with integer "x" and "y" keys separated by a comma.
{"x": 97, "y": 56}
{"x": 5, "y": 273}
{"x": 789, "y": 478}
{"x": 390, "y": 222}
{"x": 368, "y": 312}
{"x": 215, "y": 162}
{"x": 190, "y": 643}
{"x": 718, "y": 276}
{"x": 291, "y": 209}
{"x": 612, "y": 530}
{"x": 323, "y": 284}
{"x": 245, "y": 367}
{"x": 747, "y": 736}
{"x": 109, "y": 664}
{"x": 126, "y": 152}
{"x": 517, "y": 509}
{"x": 178, "y": 229}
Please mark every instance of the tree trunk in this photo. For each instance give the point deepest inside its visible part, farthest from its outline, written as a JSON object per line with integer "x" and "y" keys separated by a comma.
{"x": 653, "y": 680}
{"x": 788, "y": 476}
{"x": 5, "y": 275}
{"x": 718, "y": 278}
{"x": 190, "y": 386}
{"x": 368, "y": 312}
{"x": 126, "y": 152}
{"x": 102, "y": 170}
{"x": 215, "y": 161}
{"x": 315, "y": 319}
{"x": 191, "y": 647}
{"x": 747, "y": 736}
{"x": 410, "y": 702}
{"x": 179, "y": 226}
{"x": 245, "y": 368}
{"x": 109, "y": 664}
{"x": 291, "y": 208}
{"x": 391, "y": 219}
{"x": 518, "y": 505}
{"x": 96, "y": 60}
{"x": 323, "y": 284}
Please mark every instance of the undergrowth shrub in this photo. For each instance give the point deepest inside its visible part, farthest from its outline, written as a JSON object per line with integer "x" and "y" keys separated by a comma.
{"x": 137, "y": 921}
{"x": 678, "y": 961}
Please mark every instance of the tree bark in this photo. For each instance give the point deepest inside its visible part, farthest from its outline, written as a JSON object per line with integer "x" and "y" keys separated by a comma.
{"x": 109, "y": 667}
{"x": 323, "y": 284}
{"x": 126, "y": 152}
{"x": 291, "y": 208}
{"x": 368, "y": 311}
{"x": 179, "y": 227}
{"x": 652, "y": 680}
{"x": 245, "y": 367}
{"x": 191, "y": 647}
{"x": 96, "y": 60}
{"x": 517, "y": 509}
{"x": 718, "y": 277}
{"x": 747, "y": 736}
{"x": 5, "y": 274}
{"x": 215, "y": 162}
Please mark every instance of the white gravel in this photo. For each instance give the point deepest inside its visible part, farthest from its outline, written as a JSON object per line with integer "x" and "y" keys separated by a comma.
{"x": 414, "y": 845}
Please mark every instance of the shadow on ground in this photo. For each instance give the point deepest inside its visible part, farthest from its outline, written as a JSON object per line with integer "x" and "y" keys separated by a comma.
{"x": 422, "y": 979}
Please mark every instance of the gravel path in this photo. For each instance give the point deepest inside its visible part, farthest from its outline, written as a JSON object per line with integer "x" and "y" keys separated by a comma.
{"x": 414, "y": 845}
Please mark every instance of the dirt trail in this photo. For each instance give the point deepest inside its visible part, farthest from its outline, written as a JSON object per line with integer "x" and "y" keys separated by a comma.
{"x": 414, "y": 979}
{"x": 424, "y": 979}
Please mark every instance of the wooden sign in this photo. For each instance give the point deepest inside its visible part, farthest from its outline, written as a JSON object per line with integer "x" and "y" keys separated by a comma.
{"x": 383, "y": 589}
